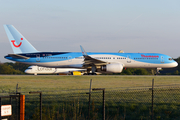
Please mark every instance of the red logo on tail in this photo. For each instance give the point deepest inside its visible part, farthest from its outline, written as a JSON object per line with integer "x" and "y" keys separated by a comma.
{"x": 15, "y": 44}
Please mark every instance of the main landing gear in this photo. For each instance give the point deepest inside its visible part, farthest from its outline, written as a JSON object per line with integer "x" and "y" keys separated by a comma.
{"x": 157, "y": 72}
{"x": 91, "y": 71}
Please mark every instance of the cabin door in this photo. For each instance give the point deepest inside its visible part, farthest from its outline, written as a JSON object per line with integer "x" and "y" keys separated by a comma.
{"x": 162, "y": 59}
{"x": 38, "y": 58}
{"x": 128, "y": 59}
{"x": 69, "y": 58}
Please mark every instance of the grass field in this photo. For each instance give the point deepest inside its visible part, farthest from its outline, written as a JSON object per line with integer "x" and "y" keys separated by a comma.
{"x": 57, "y": 83}
{"x": 68, "y": 100}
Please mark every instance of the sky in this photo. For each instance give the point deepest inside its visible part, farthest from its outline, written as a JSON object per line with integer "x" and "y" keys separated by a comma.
{"x": 98, "y": 25}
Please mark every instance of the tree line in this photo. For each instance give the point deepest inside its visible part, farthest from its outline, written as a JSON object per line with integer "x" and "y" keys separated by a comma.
{"x": 19, "y": 68}
{"x": 13, "y": 68}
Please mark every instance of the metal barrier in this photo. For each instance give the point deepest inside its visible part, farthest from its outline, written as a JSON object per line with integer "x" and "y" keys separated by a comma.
{"x": 8, "y": 113}
{"x": 146, "y": 103}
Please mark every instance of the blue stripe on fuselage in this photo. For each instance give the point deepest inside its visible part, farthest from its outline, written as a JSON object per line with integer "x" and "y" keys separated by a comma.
{"x": 45, "y": 57}
{"x": 154, "y": 58}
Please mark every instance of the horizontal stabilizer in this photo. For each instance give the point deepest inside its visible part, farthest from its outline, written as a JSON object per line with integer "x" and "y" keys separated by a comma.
{"x": 16, "y": 56}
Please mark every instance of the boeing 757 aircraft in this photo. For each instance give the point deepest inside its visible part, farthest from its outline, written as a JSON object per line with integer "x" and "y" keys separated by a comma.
{"x": 25, "y": 53}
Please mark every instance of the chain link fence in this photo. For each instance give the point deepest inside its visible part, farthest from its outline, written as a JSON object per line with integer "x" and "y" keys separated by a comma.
{"x": 137, "y": 104}
{"x": 133, "y": 104}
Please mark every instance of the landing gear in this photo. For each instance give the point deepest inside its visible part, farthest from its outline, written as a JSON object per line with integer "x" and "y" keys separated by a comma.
{"x": 91, "y": 71}
{"x": 157, "y": 72}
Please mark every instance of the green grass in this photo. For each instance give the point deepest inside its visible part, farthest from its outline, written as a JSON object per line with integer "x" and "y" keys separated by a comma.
{"x": 58, "y": 83}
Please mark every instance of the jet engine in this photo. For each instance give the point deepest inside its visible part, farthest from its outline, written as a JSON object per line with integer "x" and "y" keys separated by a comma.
{"x": 113, "y": 67}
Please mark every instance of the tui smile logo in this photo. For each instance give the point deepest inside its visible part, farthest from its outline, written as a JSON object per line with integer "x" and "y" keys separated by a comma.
{"x": 13, "y": 42}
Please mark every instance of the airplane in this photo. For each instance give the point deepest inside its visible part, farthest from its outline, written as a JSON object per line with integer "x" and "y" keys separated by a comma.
{"x": 45, "y": 70}
{"x": 25, "y": 53}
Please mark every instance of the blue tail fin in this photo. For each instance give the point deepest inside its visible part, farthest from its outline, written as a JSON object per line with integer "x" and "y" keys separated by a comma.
{"x": 18, "y": 42}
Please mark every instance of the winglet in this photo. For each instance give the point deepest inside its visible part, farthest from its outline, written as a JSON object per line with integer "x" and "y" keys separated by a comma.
{"x": 83, "y": 51}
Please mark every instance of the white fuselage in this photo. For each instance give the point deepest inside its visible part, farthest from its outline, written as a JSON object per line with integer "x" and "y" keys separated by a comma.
{"x": 45, "y": 70}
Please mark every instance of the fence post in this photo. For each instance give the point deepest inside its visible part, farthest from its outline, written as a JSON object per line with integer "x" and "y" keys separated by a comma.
{"x": 103, "y": 107}
{"x": 18, "y": 107}
{"x": 89, "y": 99}
{"x": 40, "y": 105}
{"x": 152, "y": 112}
{"x": 22, "y": 107}
{"x": 103, "y": 104}
{"x": 17, "y": 88}
{"x": 40, "y": 95}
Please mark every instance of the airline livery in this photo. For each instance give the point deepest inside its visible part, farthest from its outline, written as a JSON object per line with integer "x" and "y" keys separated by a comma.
{"x": 25, "y": 53}
{"x": 45, "y": 70}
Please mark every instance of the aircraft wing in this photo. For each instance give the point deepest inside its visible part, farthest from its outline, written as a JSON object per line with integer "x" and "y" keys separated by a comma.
{"x": 89, "y": 61}
{"x": 18, "y": 56}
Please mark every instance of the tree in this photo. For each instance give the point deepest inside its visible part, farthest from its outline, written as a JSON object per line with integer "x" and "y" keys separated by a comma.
{"x": 6, "y": 69}
{"x": 136, "y": 71}
{"x": 141, "y": 71}
{"x": 18, "y": 66}
{"x": 176, "y": 72}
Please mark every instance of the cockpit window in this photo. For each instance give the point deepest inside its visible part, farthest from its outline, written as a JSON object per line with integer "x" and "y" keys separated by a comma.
{"x": 170, "y": 59}
{"x": 29, "y": 68}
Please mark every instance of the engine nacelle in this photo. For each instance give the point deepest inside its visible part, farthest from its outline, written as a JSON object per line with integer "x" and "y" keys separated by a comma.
{"x": 113, "y": 67}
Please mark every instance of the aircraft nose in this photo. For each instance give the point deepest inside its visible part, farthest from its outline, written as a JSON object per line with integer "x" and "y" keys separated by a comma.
{"x": 27, "y": 71}
{"x": 175, "y": 64}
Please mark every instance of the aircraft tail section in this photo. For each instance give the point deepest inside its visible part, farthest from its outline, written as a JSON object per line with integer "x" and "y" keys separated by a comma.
{"x": 18, "y": 42}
